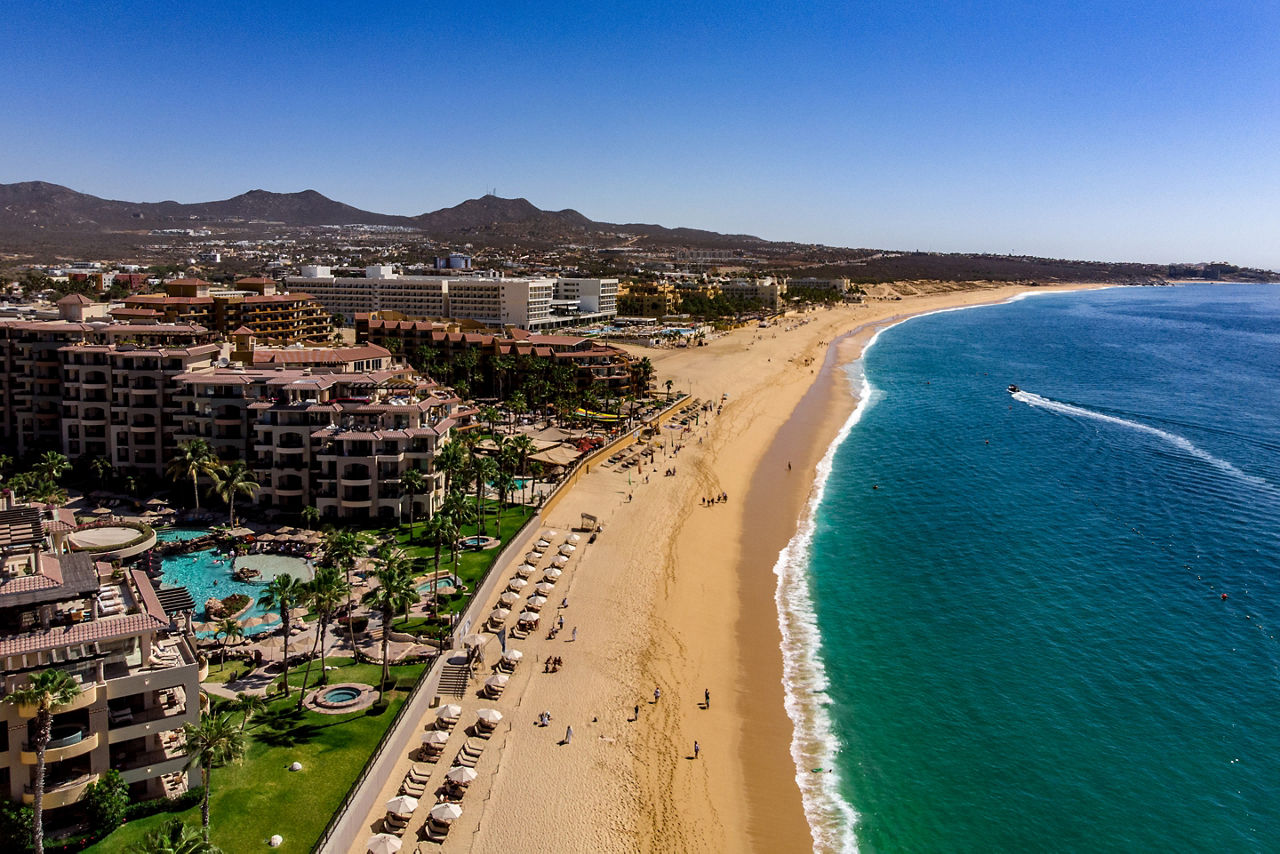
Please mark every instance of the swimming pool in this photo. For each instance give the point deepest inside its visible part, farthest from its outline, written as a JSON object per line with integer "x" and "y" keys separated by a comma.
{"x": 171, "y": 535}
{"x": 450, "y": 580}
{"x": 206, "y": 574}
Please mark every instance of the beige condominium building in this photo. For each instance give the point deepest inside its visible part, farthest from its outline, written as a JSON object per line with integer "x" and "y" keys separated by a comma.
{"x": 138, "y": 676}
{"x": 523, "y": 303}
{"x": 331, "y": 427}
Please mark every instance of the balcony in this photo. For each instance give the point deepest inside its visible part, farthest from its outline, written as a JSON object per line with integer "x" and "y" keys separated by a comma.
{"x": 63, "y": 794}
{"x": 153, "y": 763}
{"x": 69, "y": 746}
{"x": 154, "y": 720}
{"x": 87, "y": 697}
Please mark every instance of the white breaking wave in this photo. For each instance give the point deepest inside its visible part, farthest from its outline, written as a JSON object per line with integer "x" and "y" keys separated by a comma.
{"x": 1180, "y": 442}
{"x": 813, "y": 744}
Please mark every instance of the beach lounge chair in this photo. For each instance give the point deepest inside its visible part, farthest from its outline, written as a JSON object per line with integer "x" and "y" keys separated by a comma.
{"x": 412, "y": 787}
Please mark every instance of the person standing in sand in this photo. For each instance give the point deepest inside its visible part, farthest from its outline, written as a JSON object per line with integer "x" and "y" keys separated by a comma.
{"x": 657, "y": 694}
{"x": 696, "y": 749}
{"x": 568, "y": 734}
{"x": 706, "y": 698}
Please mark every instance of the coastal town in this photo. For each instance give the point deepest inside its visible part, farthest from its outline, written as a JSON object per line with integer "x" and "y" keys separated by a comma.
{"x": 242, "y": 510}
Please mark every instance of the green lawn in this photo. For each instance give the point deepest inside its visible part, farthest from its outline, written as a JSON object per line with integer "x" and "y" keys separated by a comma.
{"x": 472, "y": 565}
{"x": 260, "y": 796}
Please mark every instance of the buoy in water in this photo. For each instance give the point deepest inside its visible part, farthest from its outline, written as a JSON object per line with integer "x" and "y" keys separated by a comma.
{"x": 1224, "y": 596}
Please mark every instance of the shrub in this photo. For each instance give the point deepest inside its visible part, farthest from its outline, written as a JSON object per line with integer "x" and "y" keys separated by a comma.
{"x": 107, "y": 801}
{"x": 235, "y": 602}
{"x": 187, "y": 799}
{"x": 16, "y": 822}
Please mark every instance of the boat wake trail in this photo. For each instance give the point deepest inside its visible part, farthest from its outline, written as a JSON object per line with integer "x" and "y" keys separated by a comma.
{"x": 1180, "y": 442}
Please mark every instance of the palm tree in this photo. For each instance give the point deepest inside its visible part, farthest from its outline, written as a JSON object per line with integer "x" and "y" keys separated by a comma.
{"x": 193, "y": 459}
{"x": 325, "y": 593}
{"x": 231, "y": 480}
{"x": 642, "y": 373}
{"x": 412, "y": 481}
{"x": 395, "y": 593}
{"x": 435, "y": 533}
{"x": 523, "y": 447}
{"x": 501, "y": 365}
{"x": 341, "y": 548}
{"x": 227, "y": 628}
{"x": 517, "y": 406}
{"x": 283, "y": 593}
{"x": 174, "y": 837}
{"x": 52, "y": 466}
{"x": 47, "y": 690}
{"x": 669, "y": 384}
{"x": 214, "y": 741}
{"x": 483, "y": 470}
{"x": 451, "y": 459}
{"x": 310, "y": 515}
{"x": 489, "y": 415}
{"x": 505, "y": 483}
{"x": 102, "y": 470}
{"x": 248, "y": 705}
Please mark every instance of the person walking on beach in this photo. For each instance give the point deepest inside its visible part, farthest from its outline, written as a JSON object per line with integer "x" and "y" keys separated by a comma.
{"x": 637, "y": 715}
{"x": 657, "y": 694}
{"x": 568, "y": 734}
{"x": 574, "y": 636}
{"x": 696, "y": 749}
{"x": 706, "y": 698}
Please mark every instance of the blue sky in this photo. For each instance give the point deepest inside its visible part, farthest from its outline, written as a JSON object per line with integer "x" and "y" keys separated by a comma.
{"x": 1121, "y": 131}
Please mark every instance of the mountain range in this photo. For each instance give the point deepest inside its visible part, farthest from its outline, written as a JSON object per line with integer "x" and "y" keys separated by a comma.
{"x": 38, "y": 212}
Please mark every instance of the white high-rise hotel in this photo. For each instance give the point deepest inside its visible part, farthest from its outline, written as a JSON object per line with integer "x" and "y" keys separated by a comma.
{"x": 527, "y": 303}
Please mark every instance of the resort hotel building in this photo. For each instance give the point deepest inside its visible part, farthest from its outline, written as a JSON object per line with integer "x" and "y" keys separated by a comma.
{"x": 253, "y": 303}
{"x": 333, "y": 427}
{"x": 496, "y": 301}
{"x": 137, "y": 673}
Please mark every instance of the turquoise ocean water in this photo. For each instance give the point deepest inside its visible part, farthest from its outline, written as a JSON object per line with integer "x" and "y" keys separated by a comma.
{"x": 1004, "y": 624}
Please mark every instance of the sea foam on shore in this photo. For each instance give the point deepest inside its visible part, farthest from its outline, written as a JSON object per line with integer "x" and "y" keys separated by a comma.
{"x": 813, "y": 743}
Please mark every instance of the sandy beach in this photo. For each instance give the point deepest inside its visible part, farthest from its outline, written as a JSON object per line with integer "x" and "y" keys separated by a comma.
{"x": 677, "y": 595}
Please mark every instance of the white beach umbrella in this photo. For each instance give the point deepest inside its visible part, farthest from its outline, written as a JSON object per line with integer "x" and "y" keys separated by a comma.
{"x": 509, "y": 598}
{"x": 499, "y": 614}
{"x": 537, "y": 601}
{"x": 435, "y": 737}
{"x": 461, "y": 774}
{"x": 567, "y": 550}
{"x": 489, "y": 716}
{"x": 550, "y": 535}
{"x": 449, "y": 712}
{"x": 528, "y": 617}
{"x": 498, "y": 680}
{"x": 524, "y": 570}
{"x": 560, "y": 562}
{"x": 383, "y": 843}
{"x": 297, "y": 613}
{"x": 543, "y": 544}
{"x": 544, "y": 587}
{"x": 253, "y": 622}
{"x": 512, "y": 655}
{"x": 402, "y": 805}
{"x": 552, "y": 574}
{"x": 574, "y": 538}
{"x": 518, "y": 583}
{"x": 533, "y": 557}
{"x": 445, "y": 813}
